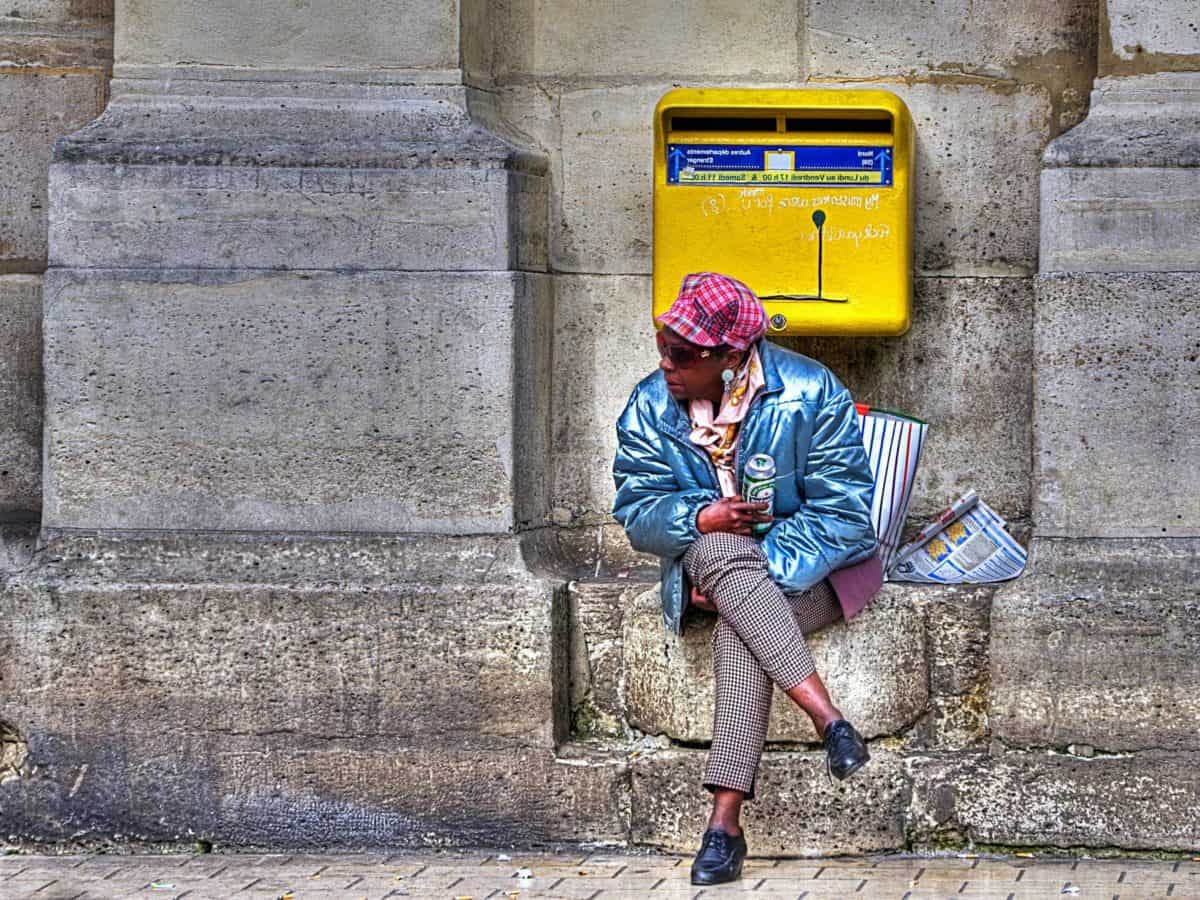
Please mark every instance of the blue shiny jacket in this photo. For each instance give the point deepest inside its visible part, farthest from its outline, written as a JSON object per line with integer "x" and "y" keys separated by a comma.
{"x": 804, "y": 418}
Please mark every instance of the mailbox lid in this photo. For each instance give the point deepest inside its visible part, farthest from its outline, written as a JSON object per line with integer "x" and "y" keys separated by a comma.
{"x": 801, "y": 193}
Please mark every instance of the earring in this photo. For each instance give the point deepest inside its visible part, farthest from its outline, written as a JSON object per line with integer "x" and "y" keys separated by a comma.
{"x": 727, "y": 377}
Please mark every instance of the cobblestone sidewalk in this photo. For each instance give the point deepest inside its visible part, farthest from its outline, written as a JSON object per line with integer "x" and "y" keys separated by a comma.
{"x": 497, "y": 876}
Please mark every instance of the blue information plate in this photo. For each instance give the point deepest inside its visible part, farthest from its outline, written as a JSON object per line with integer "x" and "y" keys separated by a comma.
{"x": 782, "y": 166}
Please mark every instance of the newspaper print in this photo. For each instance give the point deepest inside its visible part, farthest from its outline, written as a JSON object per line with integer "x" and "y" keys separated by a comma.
{"x": 973, "y": 549}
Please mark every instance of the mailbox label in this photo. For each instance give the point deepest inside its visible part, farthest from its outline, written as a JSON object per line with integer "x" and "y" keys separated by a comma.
{"x": 782, "y": 166}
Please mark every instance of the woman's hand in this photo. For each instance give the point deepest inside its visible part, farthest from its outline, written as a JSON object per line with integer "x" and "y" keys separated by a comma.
{"x": 702, "y": 602}
{"x": 733, "y": 515}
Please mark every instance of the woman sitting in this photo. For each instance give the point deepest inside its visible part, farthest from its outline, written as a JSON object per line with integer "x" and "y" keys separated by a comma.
{"x": 720, "y": 395}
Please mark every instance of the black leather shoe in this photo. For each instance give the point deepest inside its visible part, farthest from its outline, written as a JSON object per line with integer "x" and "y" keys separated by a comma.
{"x": 720, "y": 858}
{"x": 845, "y": 749}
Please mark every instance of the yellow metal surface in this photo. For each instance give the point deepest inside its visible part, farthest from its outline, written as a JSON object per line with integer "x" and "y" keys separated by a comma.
{"x": 803, "y": 194}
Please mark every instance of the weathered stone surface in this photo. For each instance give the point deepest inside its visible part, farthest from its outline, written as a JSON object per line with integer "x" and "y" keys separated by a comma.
{"x": 1145, "y": 801}
{"x": 38, "y": 108}
{"x": 958, "y": 623}
{"x": 1152, "y": 27}
{"x": 597, "y": 551}
{"x": 602, "y": 220}
{"x": 57, "y": 44}
{"x": 970, "y": 220}
{"x": 971, "y": 337}
{"x": 576, "y": 39}
{"x": 17, "y": 543}
{"x": 1099, "y": 645}
{"x": 597, "y": 614}
{"x": 604, "y": 337}
{"x": 1117, "y": 405}
{"x": 20, "y": 395}
{"x": 286, "y": 401}
{"x": 1147, "y": 121}
{"x": 59, "y": 10}
{"x": 869, "y": 38}
{"x": 978, "y": 152}
{"x": 279, "y": 34}
{"x": 297, "y": 218}
{"x": 265, "y": 792}
{"x": 1120, "y": 220}
{"x": 874, "y": 666}
{"x": 193, "y": 118}
{"x": 798, "y": 811}
{"x": 381, "y": 643}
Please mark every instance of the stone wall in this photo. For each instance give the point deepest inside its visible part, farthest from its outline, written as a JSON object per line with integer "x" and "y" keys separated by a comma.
{"x": 55, "y": 61}
{"x": 331, "y": 345}
{"x": 988, "y": 88}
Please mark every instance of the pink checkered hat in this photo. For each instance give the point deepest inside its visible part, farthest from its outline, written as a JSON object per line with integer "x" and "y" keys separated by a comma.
{"x": 715, "y": 309}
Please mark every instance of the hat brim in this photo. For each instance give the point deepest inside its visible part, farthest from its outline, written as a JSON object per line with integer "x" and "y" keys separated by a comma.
{"x": 682, "y": 327}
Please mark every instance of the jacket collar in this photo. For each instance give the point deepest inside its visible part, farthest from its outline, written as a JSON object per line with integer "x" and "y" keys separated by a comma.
{"x": 676, "y": 419}
{"x": 767, "y": 354}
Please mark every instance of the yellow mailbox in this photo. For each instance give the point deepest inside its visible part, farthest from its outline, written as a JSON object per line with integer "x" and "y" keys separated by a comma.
{"x": 805, "y": 195}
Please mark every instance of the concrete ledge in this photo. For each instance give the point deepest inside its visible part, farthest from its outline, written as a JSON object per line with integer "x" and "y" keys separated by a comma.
{"x": 392, "y": 645}
{"x": 1147, "y": 801}
{"x": 1100, "y": 645}
{"x": 875, "y": 667}
{"x": 798, "y": 813}
{"x": 264, "y": 792}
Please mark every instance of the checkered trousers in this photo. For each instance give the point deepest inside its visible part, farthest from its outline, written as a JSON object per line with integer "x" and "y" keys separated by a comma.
{"x": 758, "y": 642}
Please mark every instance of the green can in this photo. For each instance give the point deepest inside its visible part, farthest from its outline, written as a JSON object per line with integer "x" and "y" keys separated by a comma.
{"x": 758, "y": 484}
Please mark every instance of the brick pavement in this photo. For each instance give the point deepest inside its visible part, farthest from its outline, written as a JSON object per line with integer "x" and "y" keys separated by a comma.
{"x": 584, "y": 876}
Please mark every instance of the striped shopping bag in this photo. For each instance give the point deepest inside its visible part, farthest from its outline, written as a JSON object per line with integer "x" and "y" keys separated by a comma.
{"x": 893, "y": 441}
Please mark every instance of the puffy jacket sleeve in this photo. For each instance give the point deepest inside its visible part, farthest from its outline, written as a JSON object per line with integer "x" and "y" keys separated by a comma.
{"x": 658, "y": 515}
{"x": 833, "y": 525}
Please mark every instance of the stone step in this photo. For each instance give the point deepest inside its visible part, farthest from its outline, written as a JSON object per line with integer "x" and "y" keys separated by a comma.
{"x": 913, "y": 665}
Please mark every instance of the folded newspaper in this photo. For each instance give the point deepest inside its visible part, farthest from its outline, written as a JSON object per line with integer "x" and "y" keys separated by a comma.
{"x": 965, "y": 544}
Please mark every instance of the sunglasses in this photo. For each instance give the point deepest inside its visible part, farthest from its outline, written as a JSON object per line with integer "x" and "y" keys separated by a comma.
{"x": 681, "y": 357}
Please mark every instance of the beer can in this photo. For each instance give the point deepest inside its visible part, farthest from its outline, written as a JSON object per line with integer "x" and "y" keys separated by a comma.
{"x": 758, "y": 484}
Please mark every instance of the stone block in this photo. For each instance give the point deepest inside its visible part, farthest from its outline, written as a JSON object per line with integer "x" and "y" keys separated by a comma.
{"x": 60, "y": 10}
{"x": 38, "y": 108}
{"x": 970, "y": 338}
{"x": 266, "y": 792}
{"x": 276, "y": 34}
{"x": 869, "y": 38}
{"x": 602, "y": 220}
{"x": 1152, "y": 28}
{"x": 1099, "y": 645}
{"x": 576, "y": 39}
{"x": 798, "y": 810}
{"x": 1116, "y": 406}
{"x": 375, "y": 644}
{"x": 58, "y": 43}
{"x": 595, "y": 551}
{"x": 1147, "y": 801}
{"x": 978, "y": 159}
{"x": 874, "y": 666}
{"x": 171, "y": 216}
{"x": 957, "y": 620}
{"x": 1144, "y": 121}
{"x": 301, "y": 401}
{"x": 597, "y": 613}
{"x": 1120, "y": 219}
{"x": 604, "y": 342}
{"x": 20, "y": 395}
